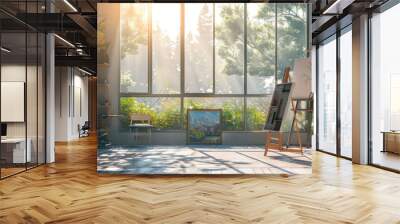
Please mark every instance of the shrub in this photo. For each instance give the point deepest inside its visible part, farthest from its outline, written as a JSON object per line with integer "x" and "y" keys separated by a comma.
{"x": 168, "y": 115}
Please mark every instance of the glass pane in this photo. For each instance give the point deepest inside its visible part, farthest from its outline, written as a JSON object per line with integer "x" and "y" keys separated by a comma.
{"x": 292, "y": 35}
{"x": 260, "y": 48}
{"x": 41, "y": 99}
{"x": 134, "y": 48}
{"x": 199, "y": 48}
{"x": 327, "y": 97}
{"x": 31, "y": 101}
{"x": 14, "y": 153}
{"x": 346, "y": 94}
{"x": 257, "y": 111}
{"x": 32, "y": 93}
{"x": 385, "y": 85}
{"x": 232, "y": 109}
{"x": 165, "y": 112}
{"x": 166, "y": 48}
{"x": 229, "y": 48}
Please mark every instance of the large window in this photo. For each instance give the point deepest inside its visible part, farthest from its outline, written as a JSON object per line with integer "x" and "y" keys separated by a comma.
{"x": 134, "y": 48}
{"x": 334, "y": 60}
{"x": 199, "y": 36}
{"x": 327, "y": 96}
{"x": 385, "y": 88}
{"x": 257, "y": 111}
{"x": 166, "y": 48}
{"x": 261, "y": 48}
{"x": 205, "y": 55}
{"x": 346, "y": 93}
{"x": 291, "y": 35}
{"x": 229, "y": 47}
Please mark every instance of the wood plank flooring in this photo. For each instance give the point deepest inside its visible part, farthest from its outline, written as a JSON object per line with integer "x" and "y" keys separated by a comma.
{"x": 70, "y": 191}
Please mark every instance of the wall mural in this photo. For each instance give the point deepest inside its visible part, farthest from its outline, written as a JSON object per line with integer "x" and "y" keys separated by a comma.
{"x": 202, "y": 74}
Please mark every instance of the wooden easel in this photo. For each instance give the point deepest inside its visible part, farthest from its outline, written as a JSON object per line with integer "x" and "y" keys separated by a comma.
{"x": 274, "y": 139}
{"x": 286, "y": 75}
{"x": 296, "y": 104}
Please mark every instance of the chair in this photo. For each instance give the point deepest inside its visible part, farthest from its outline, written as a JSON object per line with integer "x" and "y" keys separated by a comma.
{"x": 138, "y": 121}
{"x": 84, "y": 130}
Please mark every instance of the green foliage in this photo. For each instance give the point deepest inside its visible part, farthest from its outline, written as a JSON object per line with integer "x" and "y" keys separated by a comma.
{"x": 130, "y": 105}
{"x": 133, "y": 29}
{"x": 292, "y": 34}
{"x": 126, "y": 81}
{"x": 231, "y": 33}
{"x": 232, "y": 115}
{"x": 196, "y": 134}
{"x": 261, "y": 42}
{"x": 199, "y": 45}
{"x": 167, "y": 118}
{"x": 256, "y": 118}
{"x": 261, "y": 39}
{"x": 102, "y": 44}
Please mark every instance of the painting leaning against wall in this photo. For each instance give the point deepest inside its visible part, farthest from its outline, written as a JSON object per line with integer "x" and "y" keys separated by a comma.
{"x": 204, "y": 126}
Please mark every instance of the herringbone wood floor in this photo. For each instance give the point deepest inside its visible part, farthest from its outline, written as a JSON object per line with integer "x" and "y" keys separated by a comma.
{"x": 70, "y": 191}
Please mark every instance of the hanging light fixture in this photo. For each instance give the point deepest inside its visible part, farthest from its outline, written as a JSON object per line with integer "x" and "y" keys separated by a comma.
{"x": 5, "y": 50}
{"x": 70, "y": 5}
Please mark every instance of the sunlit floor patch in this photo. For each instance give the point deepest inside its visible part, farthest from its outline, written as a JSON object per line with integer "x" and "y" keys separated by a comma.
{"x": 201, "y": 160}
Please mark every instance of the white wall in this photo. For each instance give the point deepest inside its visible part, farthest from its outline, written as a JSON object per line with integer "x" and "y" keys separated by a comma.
{"x": 14, "y": 73}
{"x": 61, "y": 103}
{"x": 71, "y": 87}
{"x": 33, "y": 125}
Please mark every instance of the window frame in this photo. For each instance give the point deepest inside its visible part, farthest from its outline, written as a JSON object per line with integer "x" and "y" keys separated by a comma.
{"x": 183, "y": 94}
{"x": 334, "y": 37}
{"x": 379, "y": 10}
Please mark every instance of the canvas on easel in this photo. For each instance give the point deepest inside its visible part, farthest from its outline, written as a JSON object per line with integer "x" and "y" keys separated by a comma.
{"x": 285, "y": 119}
{"x": 277, "y": 109}
{"x": 279, "y": 102}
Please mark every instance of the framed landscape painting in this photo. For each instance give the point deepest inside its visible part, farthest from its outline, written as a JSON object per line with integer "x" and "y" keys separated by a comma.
{"x": 204, "y": 126}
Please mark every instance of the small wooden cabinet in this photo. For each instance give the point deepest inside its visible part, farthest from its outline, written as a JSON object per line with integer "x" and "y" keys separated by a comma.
{"x": 391, "y": 141}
